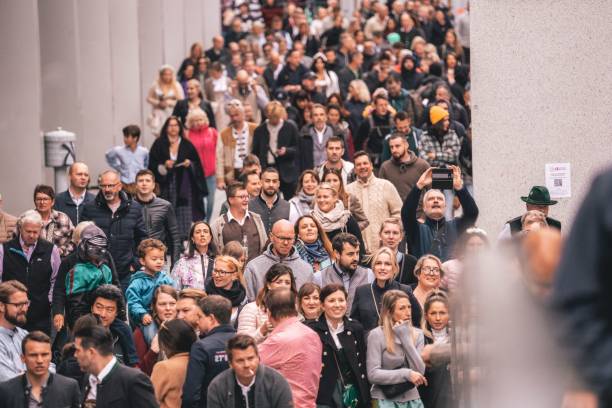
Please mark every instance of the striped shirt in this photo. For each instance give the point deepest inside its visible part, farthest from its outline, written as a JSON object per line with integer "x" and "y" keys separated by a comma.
{"x": 241, "y": 137}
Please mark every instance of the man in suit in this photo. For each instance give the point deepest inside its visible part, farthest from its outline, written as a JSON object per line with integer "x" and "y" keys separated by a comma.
{"x": 37, "y": 386}
{"x": 108, "y": 383}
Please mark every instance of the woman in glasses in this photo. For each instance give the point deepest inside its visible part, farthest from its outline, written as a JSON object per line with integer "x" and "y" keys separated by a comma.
{"x": 228, "y": 281}
{"x": 429, "y": 274}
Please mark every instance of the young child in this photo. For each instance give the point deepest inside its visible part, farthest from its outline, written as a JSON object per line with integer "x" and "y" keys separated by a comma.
{"x": 152, "y": 254}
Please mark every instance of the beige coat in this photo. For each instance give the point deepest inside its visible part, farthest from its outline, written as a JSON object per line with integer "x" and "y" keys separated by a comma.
{"x": 226, "y": 148}
{"x": 8, "y": 226}
{"x": 380, "y": 200}
{"x": 168, "y": 377}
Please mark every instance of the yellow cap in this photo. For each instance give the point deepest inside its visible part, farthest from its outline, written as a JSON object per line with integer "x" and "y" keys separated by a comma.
{"x": 436, "y": 114}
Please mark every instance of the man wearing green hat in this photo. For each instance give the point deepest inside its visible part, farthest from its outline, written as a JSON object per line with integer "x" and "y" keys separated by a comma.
{"x": 538, "y": 199}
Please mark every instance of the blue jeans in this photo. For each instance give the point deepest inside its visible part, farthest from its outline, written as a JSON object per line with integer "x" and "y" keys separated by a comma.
{"x": 211, "y": 185}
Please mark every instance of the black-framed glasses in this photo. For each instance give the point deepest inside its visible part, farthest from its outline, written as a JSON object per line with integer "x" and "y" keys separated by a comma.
{"x": 19, "y": 305}
{"x": 285, "y": 239}
{"x": 221, "y": 272}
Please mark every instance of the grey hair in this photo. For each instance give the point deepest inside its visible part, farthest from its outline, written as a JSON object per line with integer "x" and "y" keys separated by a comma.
{"x": 109, "y": 171}
{"x": 31, "y": 216}
{"x": 76, "y": 234}
{"x": 234, "y": 104}
{"x": 535, "y": 214}
{"x": 428, "y": 192}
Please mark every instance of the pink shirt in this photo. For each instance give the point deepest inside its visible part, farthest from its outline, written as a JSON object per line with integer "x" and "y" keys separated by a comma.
{"x": 295, "y": 350}
{"x": 205, "y": 142}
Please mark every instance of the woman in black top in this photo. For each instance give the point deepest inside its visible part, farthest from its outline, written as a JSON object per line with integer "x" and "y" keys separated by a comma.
{"x": 176, "y": 165}
{"x": 367, "y": 303}
{"x": 344, "y": 352}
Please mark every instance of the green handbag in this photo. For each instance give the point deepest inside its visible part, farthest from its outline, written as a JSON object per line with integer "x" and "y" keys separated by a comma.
{"x": 350, "y": 396}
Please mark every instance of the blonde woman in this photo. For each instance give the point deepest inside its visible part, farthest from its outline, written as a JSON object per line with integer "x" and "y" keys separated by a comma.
{"x": 204, "y": 139}
{"x": 165, "y": 92}
{"x": 228, "y": 281}
{"x": 429, "y": 274}
{"x": 395, "y": 367}
{"x": 333, "y": 216}
{"x": 367, "y": 304}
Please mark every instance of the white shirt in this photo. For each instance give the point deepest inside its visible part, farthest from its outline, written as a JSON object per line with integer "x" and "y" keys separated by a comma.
{"x": 241, "y": 222}
{"x": 334, "y": 333}
{"x": 242, "y": 139}
{"x": 320, "y": 134}
{"x": 77, "y": 199}
{"x": 94, "y": 381}
{"x": 245, "y": 389}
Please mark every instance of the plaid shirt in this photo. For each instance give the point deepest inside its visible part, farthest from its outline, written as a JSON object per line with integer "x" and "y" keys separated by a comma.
{"x": 447, "y": 153}
{"x": 58, "y": 230}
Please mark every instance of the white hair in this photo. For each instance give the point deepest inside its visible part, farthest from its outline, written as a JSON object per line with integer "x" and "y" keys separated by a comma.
{"x": 30, "y": 216}
{"x": 428, "y": 193}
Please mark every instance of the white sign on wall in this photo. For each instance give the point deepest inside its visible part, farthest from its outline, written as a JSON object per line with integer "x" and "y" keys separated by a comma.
{"x": 558, "y": 179}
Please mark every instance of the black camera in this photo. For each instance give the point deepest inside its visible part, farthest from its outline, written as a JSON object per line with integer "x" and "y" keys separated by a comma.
{"x": 442, "y": 178}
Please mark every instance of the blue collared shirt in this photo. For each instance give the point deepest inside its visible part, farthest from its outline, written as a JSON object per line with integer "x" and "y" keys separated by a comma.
{"x": 10, "y": 352}
{"x": 127, "y": 162}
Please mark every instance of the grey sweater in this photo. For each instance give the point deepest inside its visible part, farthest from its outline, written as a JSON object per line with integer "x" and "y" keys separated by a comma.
{"x": 255, "y": 271}
{"x": 361, "y": 276}
{"x": 391, "y": 368}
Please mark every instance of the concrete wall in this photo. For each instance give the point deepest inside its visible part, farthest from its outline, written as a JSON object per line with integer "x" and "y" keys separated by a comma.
{"x": 86, "y": 66}
{"x": 540, "y": 94}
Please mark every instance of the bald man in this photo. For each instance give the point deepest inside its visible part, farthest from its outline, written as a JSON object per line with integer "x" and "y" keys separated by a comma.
{"x": 217, "y": 52}
{"x": 72, "y": 201}
{"x": 279, "y": 251}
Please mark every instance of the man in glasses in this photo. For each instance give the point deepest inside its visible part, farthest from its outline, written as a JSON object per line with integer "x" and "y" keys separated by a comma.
{"x": 14, "y": 306}
{"x": 120, "y": 218}
{"x": 239, "y": 224}
{"x": 34, "y": 262}
{"x": 280, "y": 250}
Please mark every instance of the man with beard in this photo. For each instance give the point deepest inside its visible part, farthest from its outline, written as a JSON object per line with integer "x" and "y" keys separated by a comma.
{"x": 436, "y": 236}
{"x": 400, "y": 98}
{"x": 440, "y": 147}
{"x": 346, "y": 269}
{"x": 14, "y": 306}
{"x": 334, "y": 148}
{"x": 121, "y": 220}
{"x": 269, "y": 205}
{"x": 404, "y": 168}
{"x": 379, "y": 199}
{"x": 412, "y": 134}
{"x": 35, "y": 263}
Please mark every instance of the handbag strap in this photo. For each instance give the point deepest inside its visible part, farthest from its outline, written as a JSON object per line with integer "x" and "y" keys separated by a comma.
{"x": 374, "y": 300}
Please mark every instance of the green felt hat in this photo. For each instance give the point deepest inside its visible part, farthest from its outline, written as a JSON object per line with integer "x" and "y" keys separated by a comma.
{"x": 539, "y": 195}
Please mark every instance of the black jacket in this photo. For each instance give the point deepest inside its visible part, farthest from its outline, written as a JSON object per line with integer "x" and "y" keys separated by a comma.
{"x": 35, "y": 275}
{"x": 160, "y": 223}
{"x": 64, "y": 203}
{"x": 181, "y": 109}
{"x": 367, "y": 312}
{"x": 124, "y": 387}
{"x": 288, "y": 165}
{"x": 124, "y": 230}
{"x": 60, "y": 392}
{"x": 345, "y": 76}
{"x": 160, "y": 152}
{"x": 353, "y": 344}
{"x": 207, "y": 359}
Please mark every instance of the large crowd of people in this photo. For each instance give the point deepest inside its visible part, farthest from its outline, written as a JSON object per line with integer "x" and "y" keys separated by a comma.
{"x": 325, "y": 279}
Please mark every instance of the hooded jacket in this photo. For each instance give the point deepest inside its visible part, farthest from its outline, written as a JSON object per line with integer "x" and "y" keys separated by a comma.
{"x": 140, "y": 293}
{"x": 256, "y": 269}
